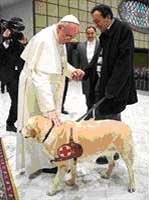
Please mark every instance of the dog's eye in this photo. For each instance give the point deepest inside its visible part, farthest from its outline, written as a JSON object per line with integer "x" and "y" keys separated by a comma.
{"x": 26, "y": 137}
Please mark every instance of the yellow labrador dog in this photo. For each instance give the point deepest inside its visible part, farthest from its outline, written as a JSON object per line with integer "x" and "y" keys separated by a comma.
{"x": 74, "y": 139}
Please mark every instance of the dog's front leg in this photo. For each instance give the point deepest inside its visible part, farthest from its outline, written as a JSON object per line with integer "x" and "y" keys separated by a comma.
{"x": 72, "y": 181}
{"x": 58, "y": 180}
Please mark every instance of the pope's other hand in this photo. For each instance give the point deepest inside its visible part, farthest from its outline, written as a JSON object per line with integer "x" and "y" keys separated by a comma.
{"x": 53, "y": 116}
{"x": 77, "y": 74}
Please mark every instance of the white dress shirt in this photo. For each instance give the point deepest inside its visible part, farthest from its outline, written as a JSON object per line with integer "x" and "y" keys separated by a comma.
{"x": 90, "y": 49}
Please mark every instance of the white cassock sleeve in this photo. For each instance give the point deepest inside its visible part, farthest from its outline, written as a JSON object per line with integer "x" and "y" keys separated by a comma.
{"x": 68, "y": 71}
{"x": 44, "y": 92}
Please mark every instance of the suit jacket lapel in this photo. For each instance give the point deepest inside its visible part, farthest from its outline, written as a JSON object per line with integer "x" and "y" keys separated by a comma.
{"x": 85, "y": 50}
{"x": 95, "y": 58}
{"x": 96, "y": 47}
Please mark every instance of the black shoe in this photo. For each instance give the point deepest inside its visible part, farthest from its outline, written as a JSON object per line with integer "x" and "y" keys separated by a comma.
{"x": 102, "y": 160}
{"x": 50, "y": 170}
{"x": 65, "y": 112}
{"x": 11, "y": 128}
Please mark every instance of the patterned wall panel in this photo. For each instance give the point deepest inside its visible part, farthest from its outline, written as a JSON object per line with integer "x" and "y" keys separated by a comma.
{"x": 47, "y": 12}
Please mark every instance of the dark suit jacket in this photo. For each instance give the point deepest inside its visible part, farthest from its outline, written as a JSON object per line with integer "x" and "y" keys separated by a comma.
{"x": 71, "y": 48}
{"x": 117, "y": 74}
{"x": 9, "y": 60}
{"x": 88, "y": 84}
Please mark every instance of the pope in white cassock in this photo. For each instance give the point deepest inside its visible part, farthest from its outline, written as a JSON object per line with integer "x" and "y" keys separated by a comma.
{"x": 41, "y": 86}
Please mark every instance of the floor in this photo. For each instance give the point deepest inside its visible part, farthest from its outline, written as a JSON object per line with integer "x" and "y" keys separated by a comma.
{"x": 91, "y": 185}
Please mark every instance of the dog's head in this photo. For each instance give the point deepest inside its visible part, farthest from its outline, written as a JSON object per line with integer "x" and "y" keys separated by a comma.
{"x": 37, "y": 127}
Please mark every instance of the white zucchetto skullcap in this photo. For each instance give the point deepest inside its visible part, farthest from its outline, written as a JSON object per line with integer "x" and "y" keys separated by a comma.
{"x": 70, "y": 18}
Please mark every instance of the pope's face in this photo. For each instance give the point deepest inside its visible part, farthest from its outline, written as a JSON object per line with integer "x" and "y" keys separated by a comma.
{"x": 101, "y": 22}
{"x": 67, "y": 32}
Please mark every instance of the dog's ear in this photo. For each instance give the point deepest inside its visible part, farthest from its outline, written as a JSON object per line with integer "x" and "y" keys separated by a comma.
{"x": 33, "y": 132}
{"x": 31, "y": 127}
{"x": 29, "y": 132}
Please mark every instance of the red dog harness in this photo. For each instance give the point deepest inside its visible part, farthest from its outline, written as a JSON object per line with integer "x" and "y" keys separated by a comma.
{"x": 69, "y": 150}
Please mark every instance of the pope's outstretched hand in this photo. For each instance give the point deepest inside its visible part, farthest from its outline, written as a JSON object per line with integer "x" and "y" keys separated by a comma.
{"x": 77, "y": 74}
{"x": 54, "y": 117}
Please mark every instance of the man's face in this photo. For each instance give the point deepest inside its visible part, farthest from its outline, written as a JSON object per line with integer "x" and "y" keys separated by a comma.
{"x": 67, "y": 32}
{"x": 90, "y": 34}
{"x": 101, "y": 22}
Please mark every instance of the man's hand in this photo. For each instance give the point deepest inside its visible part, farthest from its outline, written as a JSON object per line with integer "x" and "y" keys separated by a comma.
{"x": 108, "y": 96}
{"x": 77, "y": 74}
{"x": 6, "y": 33}
{"x": 53, "y": 116}
{"x": 23, "y": 40}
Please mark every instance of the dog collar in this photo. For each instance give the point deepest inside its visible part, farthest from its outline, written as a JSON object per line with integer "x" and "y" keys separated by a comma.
{"x": 47, "y": 134}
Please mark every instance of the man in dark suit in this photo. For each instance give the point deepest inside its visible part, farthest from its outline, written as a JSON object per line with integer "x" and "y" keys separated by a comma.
{"x": 85, "y": 53}
{"x": 10, "y": 67}
{"x": 116, "y": 81}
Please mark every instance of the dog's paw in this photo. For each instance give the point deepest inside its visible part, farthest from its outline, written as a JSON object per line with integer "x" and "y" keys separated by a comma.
{"x": 104, "y": 174}
{"x": 131, "y": 188}
{"x": 54, "y": 192}
{"x": 72, "y": 187}
{"x": 70, "y": 183}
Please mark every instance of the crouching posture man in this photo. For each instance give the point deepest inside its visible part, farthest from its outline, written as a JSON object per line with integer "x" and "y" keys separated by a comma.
{"x": 41, "y": 87}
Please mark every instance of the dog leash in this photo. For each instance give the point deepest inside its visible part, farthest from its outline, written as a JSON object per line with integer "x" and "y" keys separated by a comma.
{"x": 91, "y": 109}
{"x": 49, "y": 131}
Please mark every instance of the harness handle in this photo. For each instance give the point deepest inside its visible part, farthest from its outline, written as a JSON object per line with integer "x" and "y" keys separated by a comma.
{"x": 91, "y": 109}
